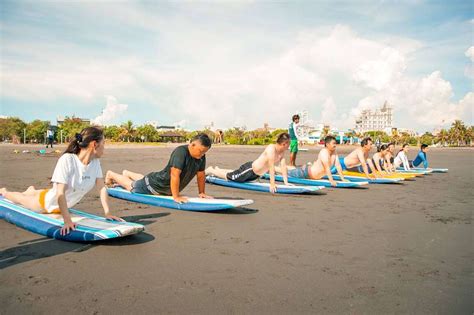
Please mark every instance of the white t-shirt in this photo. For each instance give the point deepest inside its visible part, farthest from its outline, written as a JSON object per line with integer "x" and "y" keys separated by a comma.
{"x": 400, "y": 159}
{"x": 78, "y": 177}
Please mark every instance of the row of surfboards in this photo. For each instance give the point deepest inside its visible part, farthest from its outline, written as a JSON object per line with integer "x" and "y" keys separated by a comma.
{"x": 91, "y": 227}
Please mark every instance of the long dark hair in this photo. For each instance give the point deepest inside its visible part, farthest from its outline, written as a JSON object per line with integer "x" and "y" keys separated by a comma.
{"x": 82, "y": 140}
{"x": 403, "y": 147}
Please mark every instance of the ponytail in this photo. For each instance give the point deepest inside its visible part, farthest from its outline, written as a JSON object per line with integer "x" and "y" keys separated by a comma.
{"x": 82, "y": 140}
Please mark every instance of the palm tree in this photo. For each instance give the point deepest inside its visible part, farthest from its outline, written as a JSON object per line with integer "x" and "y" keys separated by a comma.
{"x": 442, "y": 137}
{"x": 127, "y": 130}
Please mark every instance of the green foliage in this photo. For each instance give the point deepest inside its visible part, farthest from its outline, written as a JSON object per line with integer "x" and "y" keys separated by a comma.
{"x": 10, "y": 127}
{"x": 147, "y": 133}
{"x": 71, "y": 126}
{"x": 112, "y": 133}
{"x": 36, "y": 130}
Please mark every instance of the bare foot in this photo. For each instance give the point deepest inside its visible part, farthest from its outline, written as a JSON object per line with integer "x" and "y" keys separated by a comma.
{"x": 109, "y": 182}
{"x": 3, "y": 191}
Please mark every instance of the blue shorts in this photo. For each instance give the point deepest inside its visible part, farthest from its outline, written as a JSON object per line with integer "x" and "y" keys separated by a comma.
{"x": 343, "y": 166}
{"x": 299, "y": 172}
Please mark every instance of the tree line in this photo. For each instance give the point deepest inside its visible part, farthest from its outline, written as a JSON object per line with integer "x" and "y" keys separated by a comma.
{"x": 13, "y": 128}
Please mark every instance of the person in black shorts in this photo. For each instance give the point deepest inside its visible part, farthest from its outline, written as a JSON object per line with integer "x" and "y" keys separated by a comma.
{"x": 185, "y": 162}
{"x": 266, "y": 162}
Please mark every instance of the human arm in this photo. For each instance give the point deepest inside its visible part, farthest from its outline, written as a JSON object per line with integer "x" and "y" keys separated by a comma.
{"x": 270, "y": 153}
{"x": 326, "y": 161}
{"x": 104, "y": 199}
{"x": 339, "y": 169}
{"x": 201, "y": 181}
{"x": 363, "y": 163}
{"x": 174, "y": 185}
{"x": 68, "y": 226}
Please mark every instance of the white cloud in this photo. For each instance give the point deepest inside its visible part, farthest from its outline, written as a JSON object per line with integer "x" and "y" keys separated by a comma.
{"x": 111, "y": 112}
{"x": 426, "y": 101}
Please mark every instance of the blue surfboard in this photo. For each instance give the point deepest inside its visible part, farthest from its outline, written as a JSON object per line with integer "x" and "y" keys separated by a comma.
{"x": 90, "y": 227}
{"x": 263, "y": 187}
{"x": 434, "y": 170}
{"x": 371, "y": 181}
{"x": 193, "y": 204}
{"x": 415, "y": 170}
{"x": 317, "y": 182}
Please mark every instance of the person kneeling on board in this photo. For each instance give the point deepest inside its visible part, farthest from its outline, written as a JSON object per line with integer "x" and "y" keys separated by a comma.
{"x": 250, "y": 171}
{"x": 78, "y": 170}
{"x": 327, "y": 159}
{"x": 186, "y": 161}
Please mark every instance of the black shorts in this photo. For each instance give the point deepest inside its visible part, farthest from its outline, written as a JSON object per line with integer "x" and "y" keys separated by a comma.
{"x": 243, "y": 174}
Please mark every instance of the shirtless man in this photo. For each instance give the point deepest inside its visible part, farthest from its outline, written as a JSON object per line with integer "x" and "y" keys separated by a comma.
{"x": 251, "y": 171}
{"x": 359, "y": 157}
{"x": 327, "y": 159}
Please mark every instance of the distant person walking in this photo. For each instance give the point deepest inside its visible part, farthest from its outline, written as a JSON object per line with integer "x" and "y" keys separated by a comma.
{"x": 49, "y": 138}
{"x": 292, "y": 130}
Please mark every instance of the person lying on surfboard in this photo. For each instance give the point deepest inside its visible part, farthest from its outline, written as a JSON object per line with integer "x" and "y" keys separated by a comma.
{"x": 390, "y": 158}
{"x": 78, "y": 170}
{"x": 379, "y": 160}
{"x": 327, "y": 158}
{"x": 358, "y": 157}
{"x": 402, "y": 158}
{"x": 185, "y": 162}
{"x": 250, "y": 171}
{"x": 421, "y": 157}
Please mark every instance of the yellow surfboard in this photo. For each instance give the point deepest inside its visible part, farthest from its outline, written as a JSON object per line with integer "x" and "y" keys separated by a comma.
{"x": 396, "y": 175}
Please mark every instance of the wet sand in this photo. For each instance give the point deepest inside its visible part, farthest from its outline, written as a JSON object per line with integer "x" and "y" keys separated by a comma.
{"x": 386, "y": 249}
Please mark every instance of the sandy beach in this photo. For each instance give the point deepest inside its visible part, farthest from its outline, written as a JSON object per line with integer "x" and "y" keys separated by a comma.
{"x": 383, "y": 250}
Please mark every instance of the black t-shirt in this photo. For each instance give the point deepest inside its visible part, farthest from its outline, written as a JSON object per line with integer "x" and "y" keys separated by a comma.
{"x": 181, "y": 159}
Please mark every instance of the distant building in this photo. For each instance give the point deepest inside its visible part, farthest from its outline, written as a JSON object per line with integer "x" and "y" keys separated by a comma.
{"x": 376, "y": 120}
{"x": 165, "y": 128}
{"x": 60, "y": 120}
{"x": 391, "y": 131}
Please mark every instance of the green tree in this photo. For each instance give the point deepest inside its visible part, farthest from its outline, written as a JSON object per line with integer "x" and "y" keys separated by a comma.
{"x": 112, "y": 133}
{"x": 36, "y": 130}
{"x": 147, "y": 133}
{"x": 457, "y": 133}
{"x": 11, "y": 127}
{"x": 127, "y": 130}
{"x": 71, "y": 126}
{"x": 442, "y": 137}
{"x": 427, "y": 138}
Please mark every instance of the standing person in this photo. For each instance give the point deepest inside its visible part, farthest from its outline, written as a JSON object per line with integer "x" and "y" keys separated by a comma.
{"x": 78, "y": 170}
{"x": 402, "y": 158}
{"x": 252, "y": 170}
{"x": 49, "y": 137}
{"x": 293, "y": 132}
{"x": 186, "y": 161}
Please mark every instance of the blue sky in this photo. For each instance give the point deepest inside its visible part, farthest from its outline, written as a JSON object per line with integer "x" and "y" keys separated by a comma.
{"x": 237, "y": 63}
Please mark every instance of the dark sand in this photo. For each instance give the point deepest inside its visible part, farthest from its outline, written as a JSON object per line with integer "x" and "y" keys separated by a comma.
{"x": 387, "y": 249}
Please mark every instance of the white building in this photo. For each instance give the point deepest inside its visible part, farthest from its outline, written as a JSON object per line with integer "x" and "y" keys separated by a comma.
{"x": 375, "y": 120}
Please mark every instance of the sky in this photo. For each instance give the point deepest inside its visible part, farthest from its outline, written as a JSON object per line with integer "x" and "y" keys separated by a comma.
{"x": 237, "y": 63}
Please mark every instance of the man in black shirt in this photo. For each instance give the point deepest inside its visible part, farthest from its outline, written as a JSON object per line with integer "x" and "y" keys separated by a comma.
{"x": 185, "y": 162}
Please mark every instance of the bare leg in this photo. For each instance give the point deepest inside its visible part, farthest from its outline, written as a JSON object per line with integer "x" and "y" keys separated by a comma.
{"x": 132, "y": 175}
{"x": 217, "y": 172}
{"x": 112, "y": 178}
{"x": 30, "y": 201}
{"x": 293, "y": 159}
